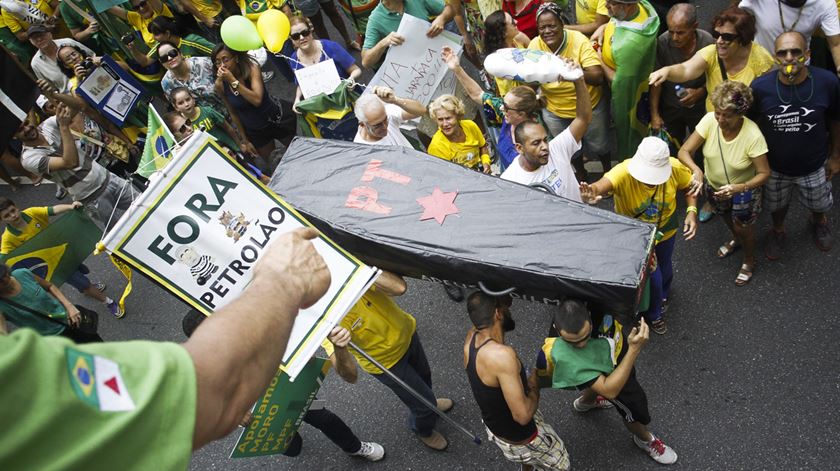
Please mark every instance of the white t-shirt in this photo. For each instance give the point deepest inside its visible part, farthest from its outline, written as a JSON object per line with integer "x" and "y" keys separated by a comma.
{"x": 47, "y": 69}
{"x": 557, "y": 174}
{"x": 394, "y": 137}
{"x": 815, "y": 14}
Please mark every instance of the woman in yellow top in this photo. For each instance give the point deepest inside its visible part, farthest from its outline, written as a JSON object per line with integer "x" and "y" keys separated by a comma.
{"x": 735, "y": 159}
{"x": 500, "y": 32}
{"x": 743, "y": 60}
{"x": 645, "y": 188}
{"x": 457, "y": 139}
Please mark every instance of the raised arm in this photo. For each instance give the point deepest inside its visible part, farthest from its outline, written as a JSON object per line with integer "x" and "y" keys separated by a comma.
{"x": 583, "y": 111}
{"x": 411, "y": 108}
{"x": 473, "y": 89}
{"x": 235, "y": 360}
{"x": 63, "y": 208}
{"x": 592, "y": 192}
{"x": 610, "y": 386}
{"x": 679, "y": 73}
{"x": 70, "y": 156}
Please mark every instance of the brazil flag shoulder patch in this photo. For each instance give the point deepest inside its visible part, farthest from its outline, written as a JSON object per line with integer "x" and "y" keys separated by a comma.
{"x": 98, "y": 382}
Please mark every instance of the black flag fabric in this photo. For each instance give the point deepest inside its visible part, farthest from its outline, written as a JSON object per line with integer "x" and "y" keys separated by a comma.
{"x": 17, "y": 96}
{"x": 420, "y": 216}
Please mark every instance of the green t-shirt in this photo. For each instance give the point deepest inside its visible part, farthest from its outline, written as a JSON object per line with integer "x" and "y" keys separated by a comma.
{"x": 383, "y": 21}
{"x": 95, "y": 406}
{"x": 33, "y": 296}
{"x": 212, "y": 121}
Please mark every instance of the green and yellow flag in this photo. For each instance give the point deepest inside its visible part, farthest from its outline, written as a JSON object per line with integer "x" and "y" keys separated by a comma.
{"x": 634, "y": 52}
{"x": 330, "y": 116}
{"x": 57, "y": 251}
{"x": 159, "y": 141}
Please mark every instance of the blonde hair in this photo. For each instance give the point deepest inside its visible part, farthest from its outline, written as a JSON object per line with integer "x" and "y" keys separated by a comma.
{"x": 732, "y": 95}
{"x": 449, "y": 103}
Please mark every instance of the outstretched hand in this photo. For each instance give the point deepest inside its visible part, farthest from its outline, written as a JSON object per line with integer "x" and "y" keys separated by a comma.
{"x": 587, "y": 193}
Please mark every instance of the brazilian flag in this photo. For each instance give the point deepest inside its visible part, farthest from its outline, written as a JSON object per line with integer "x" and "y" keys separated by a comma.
{"x": 330, "y": 116}
{"x": 57, "y": 251}
{"x": 634, "y": 51}
{"x": 159, "y": 141}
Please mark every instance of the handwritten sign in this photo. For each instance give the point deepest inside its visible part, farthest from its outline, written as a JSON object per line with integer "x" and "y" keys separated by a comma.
{"x": 279, "y": 413}
{"x": 415, "y": 69}
{"x": 317, "y": 79}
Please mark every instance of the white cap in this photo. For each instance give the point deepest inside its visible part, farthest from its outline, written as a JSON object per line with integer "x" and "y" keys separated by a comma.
{"x": 651, "y": 164}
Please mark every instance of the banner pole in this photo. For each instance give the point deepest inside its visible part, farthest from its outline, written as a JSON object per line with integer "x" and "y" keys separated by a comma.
{"x": 432, "y": 407}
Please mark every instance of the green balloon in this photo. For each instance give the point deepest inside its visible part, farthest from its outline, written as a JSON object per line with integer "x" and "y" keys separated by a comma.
{"x": 240, "y": 34}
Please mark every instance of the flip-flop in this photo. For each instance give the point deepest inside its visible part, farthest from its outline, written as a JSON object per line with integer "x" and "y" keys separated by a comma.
{"x": 727, "y": 249}
{"x": 705, "y": 216}
{"x": 744, "y": 275}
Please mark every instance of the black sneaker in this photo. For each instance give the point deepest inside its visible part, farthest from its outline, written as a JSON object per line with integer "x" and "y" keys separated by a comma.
{"x": 455, "y": 293}
{"x": 775, "y": 247}
{"x": 822, "y": 236}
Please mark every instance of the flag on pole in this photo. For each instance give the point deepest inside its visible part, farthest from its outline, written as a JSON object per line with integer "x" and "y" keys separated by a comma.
{"x": 634, "y": 50}
{"x": 159, "y": 141}
{"x": 57, "y": 251}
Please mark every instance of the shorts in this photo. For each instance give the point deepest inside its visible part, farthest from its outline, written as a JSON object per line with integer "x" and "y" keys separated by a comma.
{"x": 724, "y": 205}
{"x": 631, "y": 402}
{"x": 309, "y": 8}
{"x": 545, "y": 451}
{"x": 814, "y": 191}
{"x": 596, "y": 141}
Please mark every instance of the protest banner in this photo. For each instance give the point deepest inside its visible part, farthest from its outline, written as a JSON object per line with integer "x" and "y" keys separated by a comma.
{"x": 279, "y": 413}
{"x": 318, "y": 78}
{"x": 198, "y": 230}
{"x": 111, "y": 90}
{"x": 58, "y": 250}
{"x": 414, "y": 69}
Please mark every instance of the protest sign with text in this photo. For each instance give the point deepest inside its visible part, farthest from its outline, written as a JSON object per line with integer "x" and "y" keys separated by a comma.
{"x": 414, "y": 69}
{"x": 318, "y": 78}
{"x": 199, "y": 229}
{"x": 111, "y": 90}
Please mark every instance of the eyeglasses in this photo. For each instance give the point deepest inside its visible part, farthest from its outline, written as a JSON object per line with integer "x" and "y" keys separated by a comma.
{"x": 505, "y": 108}
{"x": 185, "y": 127}
{"x": 378, "y": 125}
{"x": 140, "y": 4}
{"x": 726, "y": 37}
{"x": 302, "y": 34}
{"x": 162, "y": 58}
{"x": 782, "y": 53}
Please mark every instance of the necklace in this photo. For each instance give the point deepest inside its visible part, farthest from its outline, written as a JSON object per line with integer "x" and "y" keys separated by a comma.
{"x": 562, "y": 44}
{"x": 795, "y": 93}
{"x": 782, "y": 17}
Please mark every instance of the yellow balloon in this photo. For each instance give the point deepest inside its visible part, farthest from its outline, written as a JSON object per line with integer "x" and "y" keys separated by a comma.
{"x": 273, "y": 26}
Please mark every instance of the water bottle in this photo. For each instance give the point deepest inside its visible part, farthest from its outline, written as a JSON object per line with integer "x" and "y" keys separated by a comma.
{"x": 680, "y": 91}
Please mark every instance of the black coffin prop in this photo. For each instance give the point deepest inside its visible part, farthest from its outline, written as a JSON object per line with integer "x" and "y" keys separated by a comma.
{"x": 370, "y": 200}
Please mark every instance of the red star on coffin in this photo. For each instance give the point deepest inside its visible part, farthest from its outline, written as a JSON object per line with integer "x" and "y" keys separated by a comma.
{"x": 438, "y": 205}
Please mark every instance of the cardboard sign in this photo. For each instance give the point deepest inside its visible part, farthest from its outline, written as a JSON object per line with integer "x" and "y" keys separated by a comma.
{"x": 317, "y": 79}
{"x": 199, "y": 230}
{"x": 111, "y": 90}
{"x": 414, "y": 69}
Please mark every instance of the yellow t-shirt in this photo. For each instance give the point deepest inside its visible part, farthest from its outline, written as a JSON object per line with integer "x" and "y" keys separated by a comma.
{"x": 467, "y": 153}
{"x": 759, "y": 62}
{"x": 380, "y": 328}
{"x": 561, "y": 95}
{"x": 37, "y": 219}
{"x": 142, "y": 24}
{"x": 585, "y": 10}
{"x": 737, "y": 153}
{"x": 15, "y": 24}
{"x": 606, "y": 48}
{"x": 208, "y": 8}
{"x": 639, "y": 201}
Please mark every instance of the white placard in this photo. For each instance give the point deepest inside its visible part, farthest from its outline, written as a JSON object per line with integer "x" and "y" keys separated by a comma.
{"x": 317, "y": 79}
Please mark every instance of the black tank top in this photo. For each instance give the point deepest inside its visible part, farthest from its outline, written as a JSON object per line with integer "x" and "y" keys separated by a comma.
{"x": 491, "y": 401}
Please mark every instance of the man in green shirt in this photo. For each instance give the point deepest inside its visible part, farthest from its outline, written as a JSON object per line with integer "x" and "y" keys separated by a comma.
{"x": 149, "y": 404}
{"x": 381, "y": 32}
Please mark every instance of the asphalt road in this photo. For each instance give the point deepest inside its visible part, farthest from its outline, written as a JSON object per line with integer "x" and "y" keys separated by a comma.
{"x": 745, "y": 378}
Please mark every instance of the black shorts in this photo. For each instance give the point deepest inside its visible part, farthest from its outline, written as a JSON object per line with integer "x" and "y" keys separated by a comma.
{"x": 631, "y": 402}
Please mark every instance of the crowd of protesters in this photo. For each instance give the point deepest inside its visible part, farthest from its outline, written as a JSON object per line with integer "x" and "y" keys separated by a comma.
{"x": 738, "y": 115}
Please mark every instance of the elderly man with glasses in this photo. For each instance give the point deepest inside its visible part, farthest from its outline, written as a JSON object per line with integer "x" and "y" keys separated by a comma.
{"x": 380, "y": 114}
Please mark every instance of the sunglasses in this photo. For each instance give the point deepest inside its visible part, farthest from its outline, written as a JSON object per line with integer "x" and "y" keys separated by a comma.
{"x": 301, "y": 34}
{"x": 782, "y": 53}
{"x": 185, "y": 127}
{"x": 727, "y": 37}
{"x": 168, "y": 56}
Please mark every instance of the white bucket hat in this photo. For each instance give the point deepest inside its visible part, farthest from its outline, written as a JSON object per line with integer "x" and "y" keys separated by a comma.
{"x": 651, "y": 163}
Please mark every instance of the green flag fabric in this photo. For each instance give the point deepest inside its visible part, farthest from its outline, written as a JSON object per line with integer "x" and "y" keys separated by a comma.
{"x": 330, "y": 116}
{"x": 57, "y": 251}
{"x": 159, "y": 141}
{"x": 634, "y": 52}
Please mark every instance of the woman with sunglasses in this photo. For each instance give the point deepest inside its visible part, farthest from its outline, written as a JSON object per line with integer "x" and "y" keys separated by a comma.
{"x": 734, "y": 56}
{"x": 241, "y": 86}
{"x": 500, "y": 32}
{"x": 518, "y": 105}
{"x": 736, "y": 167}
{"x": 195, "y": 73}
{"x": 311, "y": 51}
